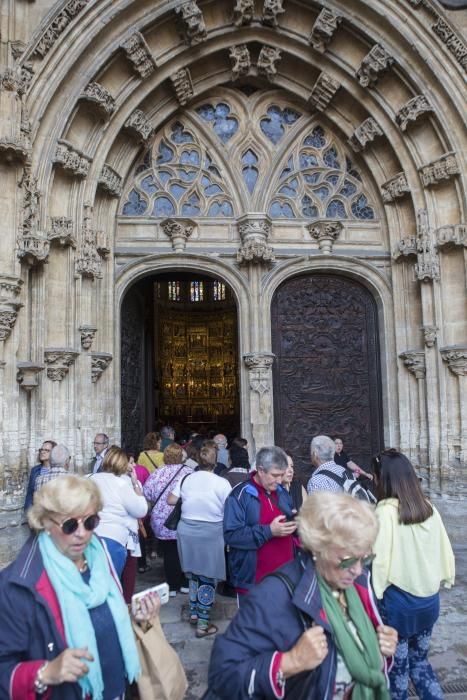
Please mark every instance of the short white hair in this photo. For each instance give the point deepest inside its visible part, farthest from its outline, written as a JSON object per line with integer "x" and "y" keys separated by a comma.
{"x": 324, "y": 448}
{"x": 59, "y": 456}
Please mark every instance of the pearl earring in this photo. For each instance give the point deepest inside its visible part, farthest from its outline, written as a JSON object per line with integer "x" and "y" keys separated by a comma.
{"x": 314, "y": 557}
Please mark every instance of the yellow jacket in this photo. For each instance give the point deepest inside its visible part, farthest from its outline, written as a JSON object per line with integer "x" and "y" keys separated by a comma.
{"x": 156, "y": 457}
{"x": 416, "y": 558}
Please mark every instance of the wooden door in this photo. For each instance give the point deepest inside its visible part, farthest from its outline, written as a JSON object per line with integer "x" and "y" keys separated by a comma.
{"x": 327, "y": 371}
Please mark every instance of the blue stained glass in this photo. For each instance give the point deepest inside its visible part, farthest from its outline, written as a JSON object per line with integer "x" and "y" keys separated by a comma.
{"x": 177, "y": 190}
{"x": 333, "y": 179}
{"x": 213, "y": 189}
{"x": 163, "y": 207}
{"x": 361, "y": 208}
{"x": 135, "y": 205}
{"x": 311, "y": 178}
{"x": 288, "y": 169}
{"x": 145, "y": 164}
{"x": 317, "y": 138}
{"x": 250, "y": 172}
{"x": 290, "y": 189}
{"x": 166, "y": 154}
{"x": 348, "y": 189}
{"x": 220, "y": 209}
{"x": 273, "y": 125}
{"x": 149, "y": 185}
{"x": 308, "y": 208}
{"x": 164, "y": 176}
{"x": 192, "y": 206}
{"x": 190, "y": 158}
{"x": 179, "y": 135}
{"x": 335, "y": 210}
{"x": 211, "y": 167}
{"x": 187, "y": 175}
{"x": 331, "y": 159}
{"x": 224, "y": 126}
{"x": 349, "y": 166}
{"x": 322, "y": 193}
{"x": 281, "y": 211}
{"x": 307, "y": 160}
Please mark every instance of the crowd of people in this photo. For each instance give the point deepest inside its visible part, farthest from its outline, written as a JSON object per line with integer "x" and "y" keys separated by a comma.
{"x": 337, "y": 584}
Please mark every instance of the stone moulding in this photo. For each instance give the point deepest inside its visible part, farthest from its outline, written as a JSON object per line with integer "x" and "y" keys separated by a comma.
{"x": 324, "y": 28}
{"x": 178, "y": 230}
{"x": 441, "y": 169}
{"x": 59, "y": 361}
{"x": 87, "y": 333}
{"x": 243, "y": 13}
{"x": 325, "y": 232}
{"x": 139, "y": 55}
{"x": 364, "y": 134}
{"x": 241, "y": 60}
{"x": 110, "y": 181}
{"x": 100, "y": 97}
{"x": 254, "y": 230}
{"x": 373, "y": 66}
{"x": 454, "y": 44}
{"x": 71, "y": 159}
{"x": 414, "y": 360}
{"x": 183, "y": 86}
{"x": 412, "y": 111}
{"x": 451, "y": 235}
{"x": 268, "y": 59}
{"x": 139, "y": 125}
{"x": 456, "y": 358}
{"x": 58, "y": 25}
{"x": 28, "y": 375}
{"x": 99, "y": 363}
{"x": 191, "y": 23}
{"x": 271, "y": 11}
{"x": 395, "y": 188}
{"x": 323, "y": 92}
{"x": 62, "y": 231}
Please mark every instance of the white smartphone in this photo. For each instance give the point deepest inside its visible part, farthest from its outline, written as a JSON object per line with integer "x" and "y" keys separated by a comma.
{"x": 162, "y": 589}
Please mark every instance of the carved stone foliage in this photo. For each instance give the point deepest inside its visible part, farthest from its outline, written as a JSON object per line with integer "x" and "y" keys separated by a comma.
{"x": 455, "y": 45}
{"x": 427, "y": 267}
{"x": 87, "y": 336}
{"x": 28, "y": 375}
{"x": 110, "y": 181}
{"x": 325, "y": 232}
{"x": 365, "y": 134}
{"x": 451, "y": 235}
{"x": 139, "y": 55}
{"x": 8, "y": 315}
{"x": 244, "y": 11}
{"x": 395, "y": 188}
{"x": 191, "y": 23}
{"x": 99, "y": 363}
{"x": 429, "y": 335}
{"x": 62, "y": 231}
{"x": 139, "y": 125}
{"x": 406, "y": 247}
{"x": 59, "y": 361}
{"x": 93, "y": 247}
{"x": 255, "y": 230}
{"x": 33, "y": 245}
{"x": 441, "y": 169}
{"x": 268, "y": 59}
{"x": 373, "y": 66}
{"x": 324, "y": 28}
{"x": 414, "y": 360}
{"x": 456, "y": 358}
{"x": 178, "y": 230}
{"x": 183, "y": 86}
{"x": 323, "y": 91}
{"x": 71, "y": 159}
{"x": 99, "y": 96}
{"x": 413, "y": 110}
{"x": 241, "y": 60}
{"x": 271, "y": 10}
{"x": 58, "y": 25}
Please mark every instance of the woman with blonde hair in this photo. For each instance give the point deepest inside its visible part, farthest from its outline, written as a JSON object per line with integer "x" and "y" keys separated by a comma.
{"x": 66, "y": 633}
{"x": 311, "y": 629}
{"x": 123, "y": 504}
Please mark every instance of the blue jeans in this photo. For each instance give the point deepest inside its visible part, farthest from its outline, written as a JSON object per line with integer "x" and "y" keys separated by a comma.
{"x": 117, "y": 553}
{"x": 411, "y": 661}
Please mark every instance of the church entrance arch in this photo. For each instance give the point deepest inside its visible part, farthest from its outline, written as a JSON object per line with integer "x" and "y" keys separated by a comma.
{"x": 327, "y": 370}
{"x": 179, "y": 356}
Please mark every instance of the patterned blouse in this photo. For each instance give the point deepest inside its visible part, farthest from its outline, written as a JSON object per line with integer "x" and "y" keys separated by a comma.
{"x": 153, "y": 487}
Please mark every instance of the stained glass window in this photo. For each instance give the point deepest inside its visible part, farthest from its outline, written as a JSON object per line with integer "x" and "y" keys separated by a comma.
{"x": 196, "y": 290}
{"x": 218, "y": 290}
{"x": 219, "y": 116}
{"x": 173, "y": 289}
{"x": 250, "y": 169}
{"x": 275, "y": 124}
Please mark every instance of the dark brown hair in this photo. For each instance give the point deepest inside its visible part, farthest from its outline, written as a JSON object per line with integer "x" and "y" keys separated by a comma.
{"x": 150, "y": 441}
{"x": 396, "y": 478}
{"x": 207, "y": 458}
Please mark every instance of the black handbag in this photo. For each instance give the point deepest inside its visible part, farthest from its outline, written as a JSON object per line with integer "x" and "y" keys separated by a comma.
{"x": 173, "y": 519}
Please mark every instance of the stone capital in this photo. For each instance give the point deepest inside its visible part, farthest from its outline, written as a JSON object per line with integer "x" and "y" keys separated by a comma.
{"x": 59, "y": 361}
{"x": 325, "y": 232}
{"x": 268, "y": 59}
{"x": 28, "y": 375}
{"x": 87, "y": 335}
{"x": 456, "y": 358}
{"x": 8, "y": 315}
{"x": 324, "y": 28}
{"x": 178, "y": 230}
{"x": 414, "y": 360}
{"x": 99, "y": 363}
{"x": 259, "y": 360}
{"x": 254, "y": 230}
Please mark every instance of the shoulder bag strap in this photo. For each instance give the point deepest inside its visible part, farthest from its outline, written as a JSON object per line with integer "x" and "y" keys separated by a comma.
{"x": 291, "y": 589}
{"x": 167, "y": 485}
{"x": 338, "y": 479}
{"x": 151, "y": 460}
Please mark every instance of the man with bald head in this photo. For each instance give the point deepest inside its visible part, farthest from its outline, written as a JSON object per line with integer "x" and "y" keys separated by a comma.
{"x": 222, "y": 451}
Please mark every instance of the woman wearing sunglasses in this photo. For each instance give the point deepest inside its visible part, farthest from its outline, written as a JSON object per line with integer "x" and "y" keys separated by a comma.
{"x": 311, "y": 629}
{"x": 65, "y": 629}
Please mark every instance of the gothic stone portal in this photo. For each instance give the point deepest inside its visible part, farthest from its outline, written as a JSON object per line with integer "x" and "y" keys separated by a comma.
{"x": 327, "y": 373}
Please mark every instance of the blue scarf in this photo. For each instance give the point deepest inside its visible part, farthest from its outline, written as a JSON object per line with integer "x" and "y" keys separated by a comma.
{"x": 76, "y": 597}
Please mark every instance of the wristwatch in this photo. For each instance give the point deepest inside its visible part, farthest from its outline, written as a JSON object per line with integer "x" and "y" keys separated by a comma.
{"x": 39, "y": 686}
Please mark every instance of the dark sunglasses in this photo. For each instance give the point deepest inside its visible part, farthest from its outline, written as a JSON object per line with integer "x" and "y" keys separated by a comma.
{"x": 348, "y": 562}
{"x": 70, "y": 525}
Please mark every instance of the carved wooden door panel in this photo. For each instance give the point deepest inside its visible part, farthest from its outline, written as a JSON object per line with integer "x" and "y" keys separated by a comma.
{"x": 327, "y": 371}
{"x": 132, "y": 371}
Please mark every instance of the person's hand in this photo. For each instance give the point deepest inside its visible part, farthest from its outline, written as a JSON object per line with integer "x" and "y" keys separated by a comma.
{"x": 280, "y": 527}
{"x": 387, "y": 640}
{"x": 67, "y": 667}
{"x": 308, "y": 653}
{"x": 148, "y": 608}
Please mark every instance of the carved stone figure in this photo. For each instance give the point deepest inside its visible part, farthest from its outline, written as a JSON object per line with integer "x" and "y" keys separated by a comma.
{"x": 99, "y": 363}
{"x": 178, "y": 230}
{"x": 110, "y": 181}
{"x": 324, "y": 28}
{"x": 181, "y": 80}
{"x": 271, "y": 10}
{"x": 191, "y": 23}
{"x": 268, "y": 59}
{"x": 139, "y": 125}
{"x": 33, "y": 245}
{"x": 441, "y": 169}
{"x": 139, "y": 55}
{"x": 395, "y": 188}
{"x": 71, "y": 159}
{"x": 323, "y": 91}
{"x": 427, "y": 267}
{"x": 89, "y": 261}
{"x": 325, "y": 232}
{"x": 87, "y": 336}
{"x": 59, "y": 361}
{"x": 365, "y": 134}
{"x": 241, "y": 61}
{"x": 98, "y": 95}
{"x": 429, "y": 335}
{"x": 62, "y": 231}
{"x": 244, "y": 11}
{"x": 374, "y": 65}
{"x": 413, "y": 110}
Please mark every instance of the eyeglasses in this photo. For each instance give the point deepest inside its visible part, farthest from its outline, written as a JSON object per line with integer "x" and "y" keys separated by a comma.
{"x": 99, "y": 443}
{"x": 43, "y": 449}
{"x": 348, "y": 562}
{"x": 70, "y": 525}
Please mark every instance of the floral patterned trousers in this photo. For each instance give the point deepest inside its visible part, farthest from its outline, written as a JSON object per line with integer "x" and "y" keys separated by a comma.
{"x": 411, "y": 661}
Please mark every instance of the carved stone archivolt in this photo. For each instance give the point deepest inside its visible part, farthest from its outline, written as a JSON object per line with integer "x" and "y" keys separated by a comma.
{"x": 62, "y": 231}
{"x": 254, "y": 230}
{"x": 325, "y": 232}
{"x": 178, "y": 230}
{"x": 441, "y": 169}
{"x": 395, "y": 188}
{"x": 268, "y": 59}
{"x": 240, "y": 59}
{"x": 455, "y": 45}
{"x": 93, "y": 247}
{"x": 413, "y": 110}
{"x": 27, "y": 375}
{"x": 323, "y": 91}
{"x": 271, "y": 11}
{"x": 58, "y": 362}
{"x": 373, "y": 66}
{"x": 88, "y": 334}
{"x": 259, "y": 365}
{"x": 110, "y": 181}
{"x": 364, "y": 134}
{"x": 456, "y": 358}
{"x": 324, "y": 28}
{"x": 243, "y": 13}
{"x": 430, "y": 334}
{"x": 139, "y": 125}
{"x": 33, "y": 245}
{"x": 100, "y": 97}
{"x": 414, "y": 360}
{"x": 183, "y": 86}
{"x": 191, "y": 23}
{"x": 58, "y": 25}
{"x": 139, "y": 55}
{"x": 451, "y": 235}
{"x": 71, "y": 159}
{"x": 99, "y": 363}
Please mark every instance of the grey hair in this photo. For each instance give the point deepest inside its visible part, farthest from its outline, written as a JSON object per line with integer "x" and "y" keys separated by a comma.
{"x": 324, "y": 448}
{"x": 59, "y": 456}
{"x": 167, "y": 431}
{"x": 271, "y": 458}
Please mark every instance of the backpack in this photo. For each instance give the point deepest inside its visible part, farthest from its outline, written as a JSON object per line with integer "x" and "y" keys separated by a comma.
{"x": 350, "y": 485}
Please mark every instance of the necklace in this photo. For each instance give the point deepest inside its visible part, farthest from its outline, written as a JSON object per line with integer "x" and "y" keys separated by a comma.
{"x": 341, "y": 599}
{"x": 83, "y": 567}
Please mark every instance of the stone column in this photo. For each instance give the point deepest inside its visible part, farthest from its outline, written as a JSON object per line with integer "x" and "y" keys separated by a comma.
{"x": 325, "y": 232}
{"x": 456, "y": 358}
{"x": 414, "y": 360}
{"x": 178, "y": 230}
{"x": 259, "y": 365}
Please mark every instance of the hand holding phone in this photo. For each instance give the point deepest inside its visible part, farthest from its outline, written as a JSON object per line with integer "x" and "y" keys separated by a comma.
{"x": 138, "y": 602}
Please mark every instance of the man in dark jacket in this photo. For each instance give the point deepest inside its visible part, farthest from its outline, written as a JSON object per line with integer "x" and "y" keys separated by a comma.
{"x": 258, "y": 522}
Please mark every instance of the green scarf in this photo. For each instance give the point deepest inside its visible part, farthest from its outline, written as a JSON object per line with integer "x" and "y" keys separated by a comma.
{"x": 364, "y": 665}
